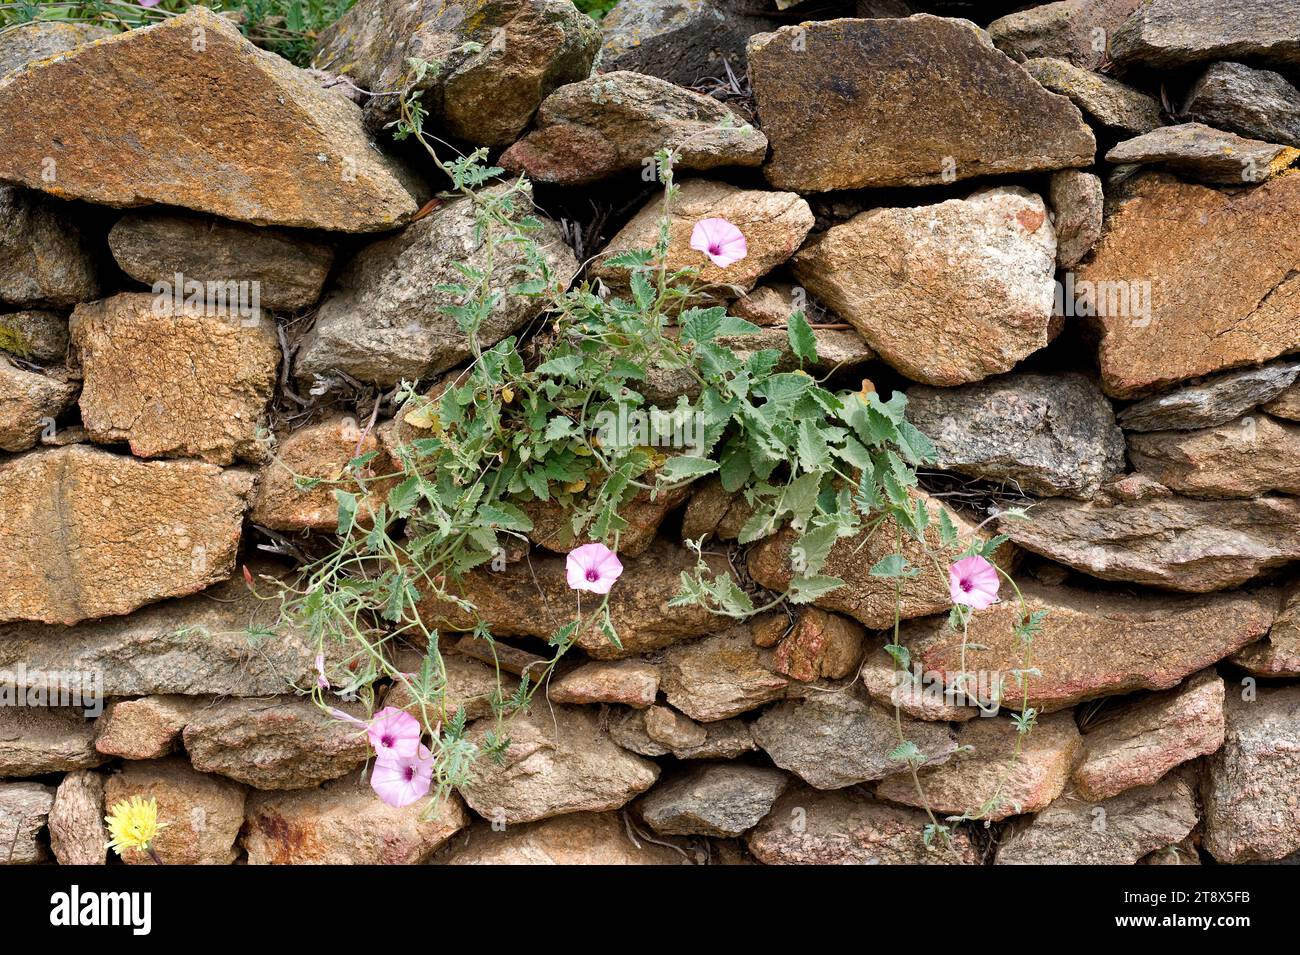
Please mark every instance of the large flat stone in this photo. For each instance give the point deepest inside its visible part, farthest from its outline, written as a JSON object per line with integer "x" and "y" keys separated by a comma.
{"x": 1243, "y": 458}
{"x": 1259, "y": 104}
{"x": 1204, "y": 154}
{"x": 1171, "y": 33}
{"x": 1212, "y": 402}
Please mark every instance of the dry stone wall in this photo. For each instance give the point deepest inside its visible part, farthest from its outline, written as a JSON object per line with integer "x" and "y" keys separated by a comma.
{"x": 1068, "y": 234}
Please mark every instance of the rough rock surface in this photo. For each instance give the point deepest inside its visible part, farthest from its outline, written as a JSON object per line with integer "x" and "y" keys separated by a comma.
{"x": 1076, "y": 199}
{"x": 923, "y": 696}
{"x": 990, "y": 258}
{"x": 1278, "y": 654}
{"x": 344, "y": 823}
{"x": 183, "y": 383}
{"x": 36, "y": 335}
{"x": 23, "y": 811}
{"x": 614, "y": 122}
{"x": 1249, "y": 789}
{"x": 382, "y": 319}
{"x": 903, "y": 102}
{"x": 723, "y": 739}
{"x": 667, "y": 727}
{"x": 153, "y": 247}
{"x": 1224, "y": 280}
{"x": 716, "y": 799}
{"x": 77, "y": 832}
{"x": 46, "y": 258}
{"x": 488, "y": 68}
{"x": 721, "y": 675}
{"x": 1243, "y": 458}
{"x": 1117, "y": 831}
{"x": 39, "y": 39}
{"x": 632, "y": 682}
{"x": 984, "y": 781}
{"x": 1074, "y": 30}
{"x": 774, "y": 224}
{"x": 1097, "y": 644}
{"x": 1138, "y": 742}
{"x": 807, "y": 827}
{"x": 1050, "y": 434}
{"x": 818, "y": 645}
{"x": 580, "y": 838}
{"x": 39, "y": 739}
{"x": 94, "y": 534}
{"x": 471, "y": 685}
{"x": 1115, "y": 105}
{"x": 29, "y": 403}
{"x": 1258, "y": 104}
{"x": 838, "y": 738}
{"x": 1286, "y": 405}
{"x": 1171, "y": 33}
{"x": 1200, "y": 152}
{"x": 147, "y": 728}
{"x": 1174, "y": 542}
{"x": 203, "y": 812}
{"x": 284, "y": 743}
{"x": 1213, "y": 402}
{"x": 307, "y": 163}
{"x": 557, "y": 762}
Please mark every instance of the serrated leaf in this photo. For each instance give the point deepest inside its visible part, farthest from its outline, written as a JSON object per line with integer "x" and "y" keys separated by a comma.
{"x": 802, "y": 340}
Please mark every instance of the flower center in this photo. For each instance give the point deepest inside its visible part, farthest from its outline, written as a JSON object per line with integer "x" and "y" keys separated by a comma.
{"x": 715, "y": 248}
{"x": 967, "y": 586}
{"x": 386, "y": 740}
{"x": 592, "y": 575}
{"x": 409, "y": 773}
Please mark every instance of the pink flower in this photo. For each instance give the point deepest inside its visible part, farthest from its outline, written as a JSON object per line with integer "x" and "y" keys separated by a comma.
{"x": 973, "y": 581}
{"x": 346, "y": 717}
{"x": 593, "y": 567}
{"x": 721, "y": 241}
{"x": 401, "y": 780}
{"x": 322, "y": 680}
{"x": 394, "y": 733}
{"x": 148, "y": 3}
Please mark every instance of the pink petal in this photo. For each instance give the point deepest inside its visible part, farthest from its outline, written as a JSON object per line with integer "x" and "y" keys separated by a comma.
{"x": 973, "y": 581}
{"x": 592, "y": 560}
{"x": 721, "y": 241}
{"x": 400, "y": 781}
{"x": 394, "y": 732}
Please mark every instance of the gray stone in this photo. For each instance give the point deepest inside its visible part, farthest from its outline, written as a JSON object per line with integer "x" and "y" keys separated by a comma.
{"x": 1111, "y": 103}
{"x": 717, "y": 799}
{"x": 1202, "y": 153}
{"x": 723, "y": 739}
{"x": 35, "y": 335}
{"x": 29, "y": 403}
{"x": 720, "y": 676}
{"x": 35, "y": 740}
{"x": 45, "y": 256}
{"x": 1077, "y": 200}
{"x": 1243, "y": 458}
{"x": 1212, "y": 402}
{"x": 77, "y": 833}
{"x": 1170, "y": 33}
{"x": 382, "y": 321}
{"x": 1049, "y": 434}
{"x": 1286, "y": 405}
{"x": 1074, "y": 30}
{"x": 24, "y": 808}
{"x": 1259, "y": 104}
{"x": 39, "y": 39}
{"x": 1278, "y": 654}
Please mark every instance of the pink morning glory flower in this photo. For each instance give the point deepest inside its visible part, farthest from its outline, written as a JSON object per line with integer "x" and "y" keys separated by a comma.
{"x": 148, "y": 3}
{"x": 974, "y": 582}
{"x": 322, "y": 680}
{"x": 721, "y": 241}
{"x": 401, "y": 780}
{"x": 593, "y": 567}
{"x": 394, "y": 733}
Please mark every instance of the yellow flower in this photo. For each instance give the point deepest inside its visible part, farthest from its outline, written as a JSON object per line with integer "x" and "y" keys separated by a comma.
{"x": 133, "y": 824}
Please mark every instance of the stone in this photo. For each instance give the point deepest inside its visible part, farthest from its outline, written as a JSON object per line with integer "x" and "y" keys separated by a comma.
{"x": 532, "y": 598}
{"x": 667, "y": 727}
{"x": 203, "y": 813}
{"x": 1243, "y": 458}
{"x": 723, "y": 739}
{"x": 470, "y": 685}
{"x": 1278, "y": 654}
{"x": 1257, "y": 104}
{"x": 77, "y": 832}
{"x": 1223, "y": 283}
{"x": 1286, "y": 405}
{"x": 1094, "y": 644}
{"x": 848, "y": 104}
{"x": 40, "y": 739}
{"x": 485, "y": 70}
{"x": 937, "y": 700}
{"x": 313, "y": 165}
{"x": 29, "y": 403}
{"x": 1138, "y": 742}
{"x": 769, "y": 304}
{"x": 1204, "y": 154}
{"x": 1169, "y": 33}
{"x": 1249, "y": 787}
{"x": 184, "y": 383}
{"x": 1076, "y": 199}
{"x": 871, "y": 600}
{"x": 724, "y": 800}
{"x": 94, "y": 534}
{"x": 287, "y": 270}
{"x": 1116, "y": 831}
{"x": 345, "y": 823}
{"x": 1047, "y": 434}
{"x": 774, "y": 225}
{"x": 196, "y": 645}
{"x": 281, "y": 743}
{"x": 557, "y": 762}
{"x": 46, "y": 258}
{"x": 838, "y": 738}
{"x": 991, "y": 780}
{"x": 820, "y": 645}
{"x": 1178, "y": 543}
{"x": 1074, "y": 30}
{"x": 682, "y": 41}
{"x": 147, "y": 728}
{"x": 1180, "y": 853}
{"x": 40, "y": 39}
{"x": 990, "y": 258}
{"x": 632, "y": 682}
{"x": 845, "y": 827}
{"x": 1114, "y": 105}
{"x": 382, "y": 320}
{"x": 611, "y": 124}
{"x": 24, "y": 808}
{"x": 580, "y": 838}
{"x": 323, "y": 451}
{"x": 720, "y": 675}
{"x": 35, "y": 335}
{"x": 1213, "y": 402}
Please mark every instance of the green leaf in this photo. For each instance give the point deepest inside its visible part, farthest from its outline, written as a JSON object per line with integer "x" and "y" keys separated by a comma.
{"x": 561, "y": 367}
{"x": 802, "y": 340}
{"x": 684, "y": 467}
{"x": 404, "y": 496}
{"x": 807, "y": 589}
{"x": 558, "y": 427}
{"x": 895, "y": 565}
